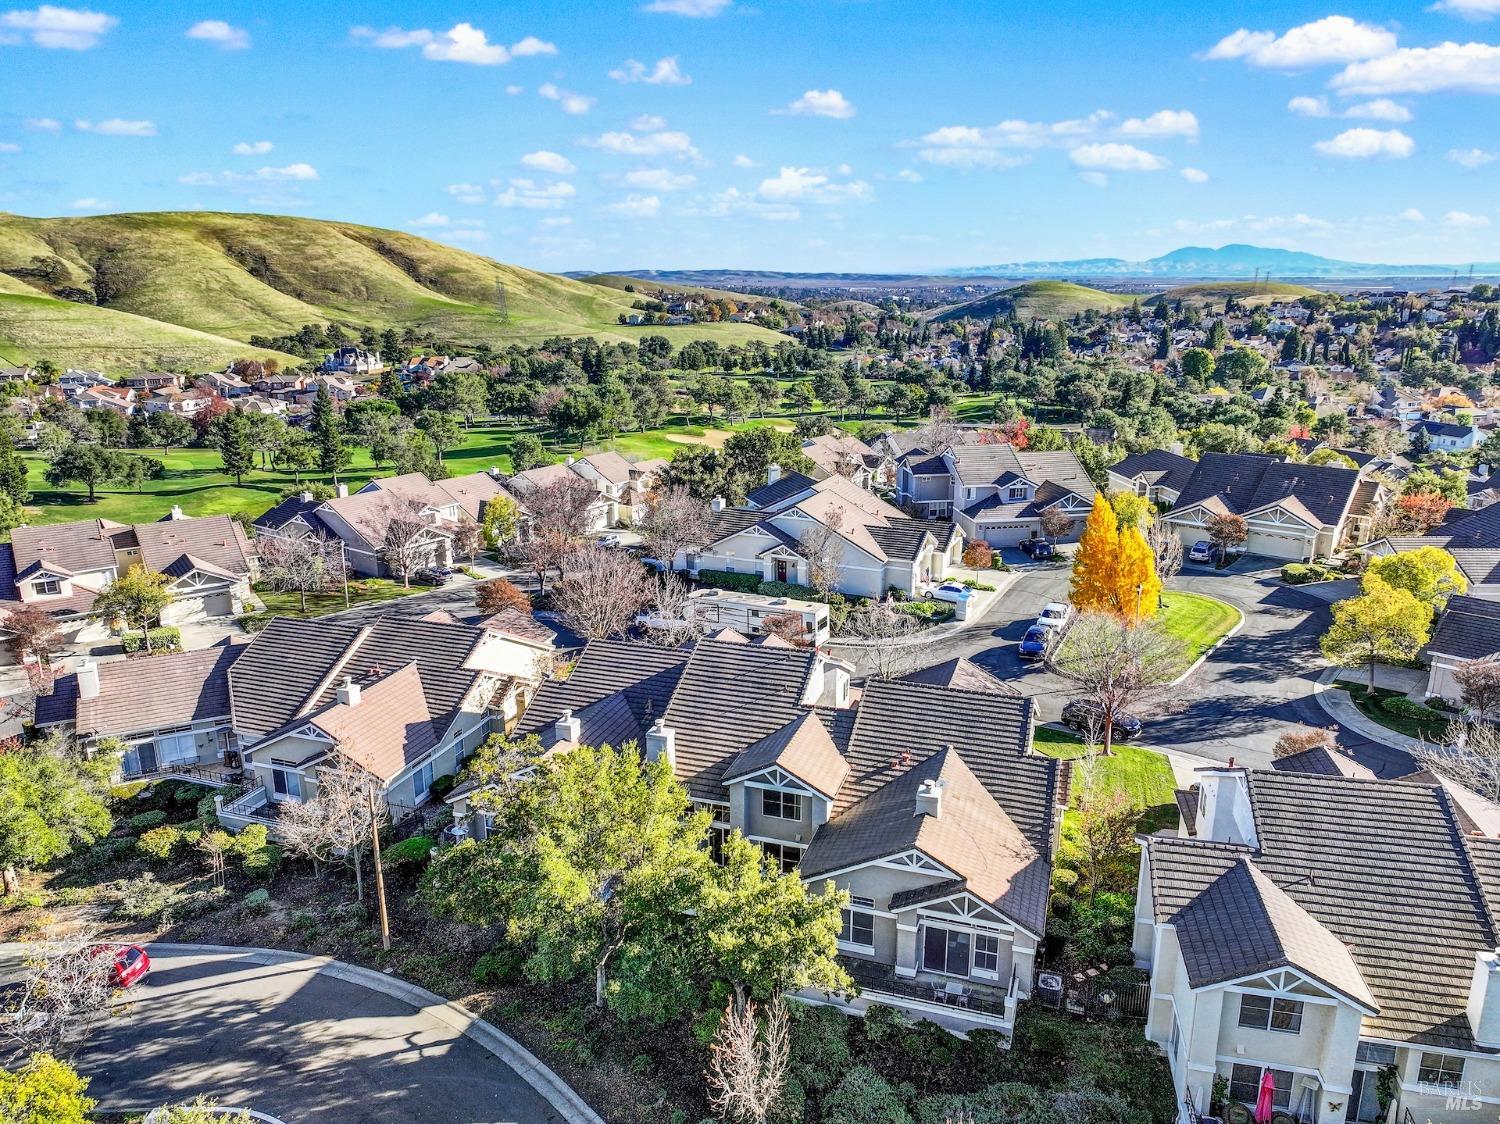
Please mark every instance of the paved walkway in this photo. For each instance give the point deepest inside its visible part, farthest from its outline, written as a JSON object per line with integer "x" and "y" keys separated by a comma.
{"x": 1340, "y": 707}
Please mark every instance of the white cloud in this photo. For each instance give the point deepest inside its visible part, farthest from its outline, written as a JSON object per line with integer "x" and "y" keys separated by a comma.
{"x": 467, "y": 192}
{"x": 252, "y": 148}
{"x": 1256, "y": 224}
{"x": 1468, "y": 9}
{"x": 1305, "y": 106}
{"x": 218, "y": 31}
{"x": 272, "y": 184}
{"x": 992, "y": 146}
{"x": 648, "y": 123}
{"x": 1363, "y": 143}
{"x": 463, "y": 42}
{"x": 1195, "y": 175}
{"x": 1472, "y": 158}
{"x": 1411, "y": 214}
{"x": 665, "y": 72}
{"x": 289, "y": 172}
{"x": 734, "y": 202}
{"x": 743, "y": 161}
{"x": 513, "y": 90}
{"x": 803, "y": 184}
{"x": 116, "y": 127}
{"x": 1473, "y": 67}
{"x": 1332, "y": 39}
{"x": 821, "y": 103}
{"x": 1116, "y": 158}
{"x": 1162, "y": 123}
{"x": 431, "y": 218}
{"x": 69, "y": 29}
{"x": 545, "y": 161}
{"x": 1381, "y": 109}
{"x": 533, "y": 196}
{"x": 659, "y": 179}
{"x": 89, "y": 203}
{"x": 556, "y": 220}
{"x": 1094, "y": 179}
{"x": 43, "y": 124}
{"x": 694, "y": 9}
{"x": 570, "y": 102}
{"x": 9, "y": 148}
{"x": 662, "y": 143}
{"x": 1464, "y": 219}
{"x": 635, "y": 207}
{"x": 908, "y": 175}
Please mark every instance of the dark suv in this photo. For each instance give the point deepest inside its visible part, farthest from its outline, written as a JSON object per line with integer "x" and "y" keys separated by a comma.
{"x": 1081, "y": 714}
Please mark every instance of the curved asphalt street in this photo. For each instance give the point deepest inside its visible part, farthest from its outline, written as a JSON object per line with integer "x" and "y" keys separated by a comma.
{"x": 1254, "y": 687}
{"x": 296, "y": 1038}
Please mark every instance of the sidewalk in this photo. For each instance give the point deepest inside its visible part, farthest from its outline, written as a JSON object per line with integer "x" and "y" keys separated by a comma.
{"x": 1338, "y": 706}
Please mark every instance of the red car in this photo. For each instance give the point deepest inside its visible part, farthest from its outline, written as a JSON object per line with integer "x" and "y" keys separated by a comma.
{"x": 130, "y": 966}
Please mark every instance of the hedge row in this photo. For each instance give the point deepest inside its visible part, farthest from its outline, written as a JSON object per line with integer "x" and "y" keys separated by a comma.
{"x": 162, "y": 640}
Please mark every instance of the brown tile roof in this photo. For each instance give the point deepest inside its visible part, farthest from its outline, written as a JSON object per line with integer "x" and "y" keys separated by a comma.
{"x": 184, "y": 687}
{"x": 472, "y": 491}
{"x": 389, "y": 728}
{"x": 82, "y": 545}
{"x": 215, "y": 539}
{"x": 513, "y": 622}
{"x": 959, "y": 672}
{"x": 803, "y": 748}
{"x": 1322, "y": 762}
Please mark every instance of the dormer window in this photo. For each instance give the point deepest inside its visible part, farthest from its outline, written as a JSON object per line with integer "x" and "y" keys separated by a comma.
{"x": 1018, "y": 491}
{"x": 780, "y": 805}
{"x": 47, "y": 587}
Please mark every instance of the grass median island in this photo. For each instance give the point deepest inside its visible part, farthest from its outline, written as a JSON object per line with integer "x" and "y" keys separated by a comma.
{"x": 1407, "y": 718}
{"x": 1199, "y": 622}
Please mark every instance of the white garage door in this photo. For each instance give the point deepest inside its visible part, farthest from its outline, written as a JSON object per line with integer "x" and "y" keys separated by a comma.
{"x": 1006, "y": 534}
{"x": 185, "y": 610}
{"x": 1294, "y": 547}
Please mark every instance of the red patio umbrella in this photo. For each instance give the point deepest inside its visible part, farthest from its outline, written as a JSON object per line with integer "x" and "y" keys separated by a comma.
{"x": 1263, "y": 1107}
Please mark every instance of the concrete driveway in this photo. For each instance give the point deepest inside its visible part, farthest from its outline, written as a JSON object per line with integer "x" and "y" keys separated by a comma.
{"x": 301, "y": 1039}
{"x": 1252, "y": 689}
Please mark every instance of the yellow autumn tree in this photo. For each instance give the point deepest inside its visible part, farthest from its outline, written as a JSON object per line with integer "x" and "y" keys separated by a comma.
{"x": 1094, "y": 582}
{"x": 1137, "y": 588}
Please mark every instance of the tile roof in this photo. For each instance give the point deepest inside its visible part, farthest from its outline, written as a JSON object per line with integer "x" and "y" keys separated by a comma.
{"x": 1322, "y": 762}
{"x": 388, "y": 729}
{"x": 803, "y": 747}
{"x": 643, "y": 675}
{"x": 86, "y": 544}
{"x": 1158, "y": 467}
{"x": 513, "y": 622}
{"x": 959, "y": 672}
{"x": 771, "y": 495}
{"x": 291, "y": 509}
{"x": 216, "y": 540}
{"x": 185, "y": 687}
{"x": 612, "y": 466}
{"x": 1468, "y": 628}
{"x": 472, "y": 491}
{"x": 1246, "y": 483}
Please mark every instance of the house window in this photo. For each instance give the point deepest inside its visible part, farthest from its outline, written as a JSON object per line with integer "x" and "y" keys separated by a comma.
{"x": 423, "y": 781}
{"x": 946, "y": 950}
{"x": 1018, "y": 493}
{"x": 785, "y": 855}
{"x": 175, "y": 749}
{"x": 780, "y": 805}
{"x": 47, "y": 587}
{"x": 859, "y": 924}
{"x": 1443, "y": 1070}
{"x": 987, "y": 956}
{"x": 1244, "y": 1085}
{"x": 286, "y": 783}
{"x": 1261, "y": 1012}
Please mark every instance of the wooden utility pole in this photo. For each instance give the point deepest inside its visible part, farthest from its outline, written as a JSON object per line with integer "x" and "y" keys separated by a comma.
{"x": 385, "y": 920}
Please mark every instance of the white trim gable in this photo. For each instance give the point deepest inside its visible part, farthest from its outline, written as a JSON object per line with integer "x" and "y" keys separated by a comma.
{"x": 964, "y": 906}
{"x": 1290, "y": 983}
{"x": 773, "y": 776}
{"x": 1277, "y": 516}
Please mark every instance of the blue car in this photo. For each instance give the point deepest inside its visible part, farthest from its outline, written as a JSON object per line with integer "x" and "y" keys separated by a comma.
{"x": 1035, "y": 643}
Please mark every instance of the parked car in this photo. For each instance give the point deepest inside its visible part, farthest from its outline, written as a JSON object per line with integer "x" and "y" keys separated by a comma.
{"x": 430, "y": 575}
{"x": 950, "y": 591}
{"x": 1083, "y": 714}
{"x": 1036, "y": 643}
{"x": 610, "y": 541}
{"x": 1056, "y": 615}
{"x": 130, "y": 966}
{"x": 1038, "y": 549}
{"x": 1202, "y": 551}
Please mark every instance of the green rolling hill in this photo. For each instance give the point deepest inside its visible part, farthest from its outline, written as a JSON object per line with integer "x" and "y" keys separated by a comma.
{"x": 1035, "y": 300}
{"x": 1246, "y": 292}
{"x": 192, "y": 287}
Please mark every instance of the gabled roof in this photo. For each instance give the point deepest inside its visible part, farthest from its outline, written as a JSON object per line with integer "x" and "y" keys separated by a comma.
{"x": 771, "y": 495}
{"x": 292, "y": 508}
{"x": 1243, "y": 483}
{"x": 612, "y": 466}
{"x": 185, "y": 687}
{"x": 641, "y": 674}
{"x": 388, "y": 729}
{"x": 802, "y": 748}
{"x": 86, "y": 544}
{"x": 472, "y": 492}
{"x": 213, "y": 540}
{"x": 1322, "y": 762}
{"x": 1469, "y": 628}
{"x": 1158, "y": 467}
{"x": 959, "y": 672}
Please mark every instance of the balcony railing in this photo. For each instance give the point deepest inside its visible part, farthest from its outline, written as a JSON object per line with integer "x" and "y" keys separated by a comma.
{"x": 987, "y": 999}
{"x": 214, "y": 774}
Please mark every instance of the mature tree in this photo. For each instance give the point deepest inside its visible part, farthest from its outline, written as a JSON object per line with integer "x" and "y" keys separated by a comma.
{"x": 1132, "y": 510}
{"x": 444, "y": 429}
{"x": 86, "y": 464}
{"x": 402, "y": 532}
{"x": 1479, "y": 684}
{"x": 33, "y": 632}
{"x": 13, "y": 481}
{"x": 1166, "y": 549}
{"x": 1382, "y": 623}
{"x": 939, "y": 430}
{"x": 592, "y": 864}
{"x": 137, "y": 597}
{"x": 527, "y": 451}
{"x": 822, "y": 545}
{"x": 52, "y": 798}
{"x": 500, "y": 522}
{"x": 1197, "y": 364}
{"x": 328, "y": 434}
{"x": 1118, "y": 667}
{"x": 748, "y": 1063}
{"x": 1327, "y": 456}
{"x": 1105, "y": 819}
{"x": 1428, "y": 573}
{"x": 298, "y": 454}
{"x": 300, "y": 565}
{"x": 65, "y": 990}
{"x": 1096, "y": 562}
{"x": 497, "y": 594}
{"x": 44, "y": 1091}
{"x": 674, "y": 520}
{"x": 1055, "y": 523}
{"x": 236, "y": 451}
{"x": 1227, "y": 531}
{"x": 1137, "y": 592}
{"x": 462, "y": 393}
{"x": 601, "y": 591}
{"x": 1469, "y": 753}
{"x": 562, "y": 512}
{"x": 1419, "y": 512}
{"x": 335, "y": 824}
{"x": 267, "y": 434}
{"x": 884, "y": 628}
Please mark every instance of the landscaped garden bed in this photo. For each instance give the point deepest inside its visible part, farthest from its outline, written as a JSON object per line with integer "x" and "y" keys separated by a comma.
{"x": 1393, "y": 710}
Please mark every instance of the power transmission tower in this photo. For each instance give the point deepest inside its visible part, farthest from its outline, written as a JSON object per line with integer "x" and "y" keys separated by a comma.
{"x": 501, "y": 307}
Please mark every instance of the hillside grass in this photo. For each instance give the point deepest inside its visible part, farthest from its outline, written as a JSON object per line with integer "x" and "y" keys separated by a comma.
{"x": 646, "y": 288}
{"x": 1246, "y": 292}
{"x": 1035, "y": 300}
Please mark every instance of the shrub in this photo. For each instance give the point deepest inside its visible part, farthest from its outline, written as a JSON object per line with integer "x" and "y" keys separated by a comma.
{"x": 409, "y": 852}
{"x": 500, "y": 965}
{"x": 163, "y": 640}
{"x": 127, "y": 791}
{"x": 144, "y": 820}
{"x": 263, "y": 864}
{"x": 146, "y": 899}
{"x": 1403, "y": 707}
{"x": 442, "y": 786}
{"x": 723, "y": 579}
{"x": 792, "y": 589}
{"x": 160, "y": 842}
{"x": 820, "y": 1046}
{"x": 257, "y": 900}
{"x": 254, "y": 622}
{"x": 974, "y": 583}
{"x": 864, "y": 1097}
{"x": 979, "y": 555}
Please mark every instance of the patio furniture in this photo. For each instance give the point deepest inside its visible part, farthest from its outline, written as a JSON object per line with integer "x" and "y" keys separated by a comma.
{"x": 958, "y": 995}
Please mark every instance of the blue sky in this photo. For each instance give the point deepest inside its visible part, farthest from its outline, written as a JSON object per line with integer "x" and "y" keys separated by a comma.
{"x": 776, "y": 134}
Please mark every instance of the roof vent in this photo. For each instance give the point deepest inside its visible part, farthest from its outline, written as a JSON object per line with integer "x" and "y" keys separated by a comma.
{"x": 568, "y": 728}
{"x": 930, "y": 798}
{"x": 177, "y": 512}
{"x": 348, "y": 693}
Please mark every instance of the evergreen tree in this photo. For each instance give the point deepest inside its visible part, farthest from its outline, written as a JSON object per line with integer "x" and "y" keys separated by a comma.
{"x": 328, "y": 433}
{"x": 235, "y": 448}
{"x": 13, "y": 473}
{"x": 1095, "y": 565}
{"x": 1164, "y": 342}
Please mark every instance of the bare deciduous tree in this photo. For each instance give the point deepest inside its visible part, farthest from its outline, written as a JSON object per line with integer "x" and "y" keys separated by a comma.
{"x": 63, "y": 994}
{"x": 1166, "y": 548}
{"x": 1106, "y": 821}
{"x": 401, "y": 530}
{"x": 939, "y": 430}
{"x": 885, "y": 626}
{"x": 679, "y": 625}
{"x": 748, "y": 1063}
{"x": 1300, "y": 741}
{"x": 822, "y": 545}
{"x": 336, "y": 823}
{"x": 300, "y": 565}
{"x": 1470, "y": 755}
{"x": 468, "y": 539}
{"x": 601, "y": 591}
{"x": 674, "y": 520}
{"x": 1118, "y": 667}
{"x": 561, "y": 514}
{"x": 1479, "y": 682}
{"x": 1055, "y": 524}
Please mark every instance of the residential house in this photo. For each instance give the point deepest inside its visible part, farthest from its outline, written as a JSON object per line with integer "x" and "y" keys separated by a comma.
{"x": 340, "y": 388}
{"x": 71, "y": 381}
{"x": 996, "y": 493}
{"x": 1468, "y": 629}
{"x": 1396, "y": 402}
{"x": 1158, "y": 475}
{"x": 843, "y": 454}
{"x": 18, "y": 374}
{"x": 151, "y": 380}
{"x": 184, "y": 403}
{"x": 924, "y": 802}
{"x": 1336, "y": 932}
{"x": 354, "y": 361}
{"x": 280, "y": 385}
{"x": 224, "y": 384}
{"x": 877, "y": 546}
{"x": 120, "y": 399}
{"x": 622, "y": 485}
{"x": 1294, "y": 511}
{"x": 1443, "y": 437}
{"x": 1472, "y": 537}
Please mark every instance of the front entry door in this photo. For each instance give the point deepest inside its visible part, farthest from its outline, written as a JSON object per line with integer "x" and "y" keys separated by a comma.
{"x": 781, "y": 570}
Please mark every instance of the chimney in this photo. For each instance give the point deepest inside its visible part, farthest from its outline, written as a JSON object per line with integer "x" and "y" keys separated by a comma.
{"x": 1482, "y": 471}
{"x": 661, "y": 741}
{"x": 1225, "y": 814}
{"x": 343, "y": 491}
{"x": 930, "y": 798}
{"x": 568, "y": 728}
{"x": 716, "y": 504}
{"x": 88, "y": 679}
{"x": 177, "y": 512}
{"x": 348, "y": 692}
{"x": 1484, "y": 999}
{"x": 305, "y": 497}
{"x": 773, "y": 472}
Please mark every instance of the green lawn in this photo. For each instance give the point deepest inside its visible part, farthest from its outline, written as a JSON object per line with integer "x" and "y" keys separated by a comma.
{"x": 1143, "y": 773}
{"x": 365, "y": 591}
{"x": 1198, "y": 621}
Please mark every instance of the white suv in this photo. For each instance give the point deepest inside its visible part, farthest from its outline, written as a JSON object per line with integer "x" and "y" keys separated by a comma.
{"x": 1055, "y": 615}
